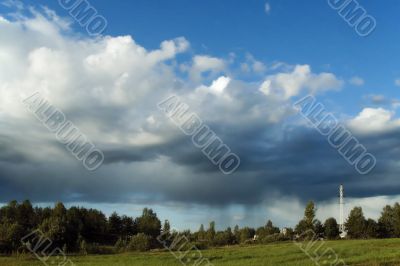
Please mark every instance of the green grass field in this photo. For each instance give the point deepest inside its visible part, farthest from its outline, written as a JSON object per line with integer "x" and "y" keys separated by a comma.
{"x": 353, "y": 252}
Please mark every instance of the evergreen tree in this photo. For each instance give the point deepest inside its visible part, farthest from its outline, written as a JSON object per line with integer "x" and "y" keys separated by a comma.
{"x": 128, "y": 227}
{"x": 331, "y": 228}
{"x": 309, "y": 213}
{"x": 201, "y": 236}
{"x": 236, "y": 234}
{"x": 396, "y": 219}
{"x": 371, "y": 228}
{"x": 386, "y": 222}
{"x": 356, "y": 223}
{"x": 306, "y": 227}
{"x": 211, "y": 232}
{"x": 150, "y": 225}
{"x": 114, "y": 227}
{"x": 270, "y": 229}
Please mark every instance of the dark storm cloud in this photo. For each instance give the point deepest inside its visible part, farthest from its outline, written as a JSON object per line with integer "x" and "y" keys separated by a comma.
{"x": 298, "y": 162}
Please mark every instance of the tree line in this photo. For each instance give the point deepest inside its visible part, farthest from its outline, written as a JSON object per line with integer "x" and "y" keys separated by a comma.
{"x": 81, "y": 230}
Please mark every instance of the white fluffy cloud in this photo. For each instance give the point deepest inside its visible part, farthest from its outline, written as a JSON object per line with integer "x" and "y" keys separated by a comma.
{"x": 205, "y": 63}
{"x": 286, "y": 85}
{"x": 252, "y": 65}
{"x": 374, "y": 120}
{"x": 110, "y": 86}
{"x": 218, "y": 86}
{"x": 356, "y": 81}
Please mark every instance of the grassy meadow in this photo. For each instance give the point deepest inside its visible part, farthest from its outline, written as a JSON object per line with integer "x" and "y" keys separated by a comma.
{"x": 353, "y": 252}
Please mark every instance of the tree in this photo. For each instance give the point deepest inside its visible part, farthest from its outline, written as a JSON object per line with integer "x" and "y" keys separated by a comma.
{"x": 211, "y": 232}
{"x": 10, "y": 236}
{"x": 356, "y": 223}
{"x": 309, "y": 213}
{"x": 386, "y": 222}
{"x": 9, "y": 212}
{"x": 396, "y": 219}
{"x": 230, "y": 236}
{"x": 94, "y": 229}
{"x": 318, "y": 228}
{"x": 201, "y": 235}
{"x": 236, "y": 234}
{"x": 129, "y": 227}
{"x": 270, "y": 229}
{"x": 26, "y": 216}
{"x": 114, "y": 227}
{"x": 331, "y": 228}
{"x": 165, "y": 236}
{"x": 308, "y": 227}
{"x": 55, "y": 227}
{"x": 166, "y": 227}
{"x": 246, "y": 233}
{"x": 74, "y": 228}
{"x": 41, "y": 214}
{"x": 149, "y": 224}
{"x": 303, "y": 229}
{"x": 59, "y": 210}
{"x": 221, "y": 239}
{"x": 371, "y": 228}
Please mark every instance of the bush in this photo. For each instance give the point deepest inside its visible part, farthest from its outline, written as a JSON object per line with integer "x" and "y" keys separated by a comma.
{"x": 83, "y": 248}
{"x": 97, "y": 249}
{"x": 201, "y": 245}
{"x": 139, "y": 242}
{"x": 249, "y": 242}
{"x": 120, "y": 245}
{"x": 272, "y": 238}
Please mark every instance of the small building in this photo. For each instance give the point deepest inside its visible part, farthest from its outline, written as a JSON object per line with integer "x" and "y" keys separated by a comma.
{"x": 284, "y": 231}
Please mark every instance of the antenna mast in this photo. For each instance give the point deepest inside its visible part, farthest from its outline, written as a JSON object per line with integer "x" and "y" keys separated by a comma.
{"x": 341, "y": 209}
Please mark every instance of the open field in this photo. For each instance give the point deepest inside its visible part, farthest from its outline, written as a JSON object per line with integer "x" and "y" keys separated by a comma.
{"x": 353, "y": 252}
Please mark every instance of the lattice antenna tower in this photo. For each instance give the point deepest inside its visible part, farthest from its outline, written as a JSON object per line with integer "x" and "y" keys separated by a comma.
{"x": 341, "y": 208}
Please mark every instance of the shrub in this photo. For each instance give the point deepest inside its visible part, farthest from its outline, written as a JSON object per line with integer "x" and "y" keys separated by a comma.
{"x": 201, "y": 245}
{"x": 83, "y": 248}
{"x": 120, "y": 245}
{"x": 96, "y": 249}
{"x": 139, "y": 242}
{"x": 222, "y": 239}
{"x": 272, "y": 238}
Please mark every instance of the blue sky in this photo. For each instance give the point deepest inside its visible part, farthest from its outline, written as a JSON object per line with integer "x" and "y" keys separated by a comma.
{"x": 109, "y": 87}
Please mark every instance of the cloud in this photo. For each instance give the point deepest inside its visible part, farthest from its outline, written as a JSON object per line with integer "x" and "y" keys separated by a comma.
{"x": 372, "y": 206}
{"x": 376, "y": 98}
{"x": 382, "y": 100}
{"x": 267, "y": 8}
{"x": 356, "y": 81}
{"x": 372, "y": 120}
{"x": 218, "y": 86}
{"x": 397, "y": 82}
{"x": 13, "y": 4}
{"x": 287, "y": 85}
{"x": 251, "y": 65}
{"x": 204, "y": 63}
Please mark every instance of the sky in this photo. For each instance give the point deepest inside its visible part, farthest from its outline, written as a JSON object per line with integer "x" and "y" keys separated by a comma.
{"x": 240, "y": 66}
